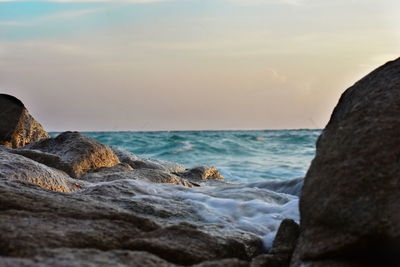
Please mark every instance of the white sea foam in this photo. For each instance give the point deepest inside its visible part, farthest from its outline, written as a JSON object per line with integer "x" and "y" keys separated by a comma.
{"x": 253, "y": 210}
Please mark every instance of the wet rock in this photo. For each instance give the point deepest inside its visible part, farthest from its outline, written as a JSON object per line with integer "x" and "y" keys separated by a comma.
{"x": 282, "y": 248}
{"x": 14, "y": 166}
{"x": 201, "y": 173}
{"x": 224, "y": 263}
{"x": 183, "y": 244}
{"x": 107, "y": 217}
{"x": 33, "y": 218}
{"x": 17, "y": 126}
{"x": 137, "y": 162}
{"x": 149, "y": 175}
{"x": 290, "y": 186}
{"x": 71, "y": 152}
{"x": 349, "y": 204}
{"x": 69, "y": 257}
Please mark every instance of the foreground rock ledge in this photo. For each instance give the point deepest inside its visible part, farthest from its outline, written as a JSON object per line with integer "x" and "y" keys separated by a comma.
{"x": 350, "y": 201}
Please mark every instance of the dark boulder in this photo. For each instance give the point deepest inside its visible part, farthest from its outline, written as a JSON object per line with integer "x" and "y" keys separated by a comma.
{"x": 350, "y": 200}
{"x": 17, "y": 127}
{"x": 71, "y": 152}
{"x": 282, "y": 248}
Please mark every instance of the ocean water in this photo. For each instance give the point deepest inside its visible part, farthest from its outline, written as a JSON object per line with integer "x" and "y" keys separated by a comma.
{"x": 244, "y": 156}
{"x": 259, "y": 167}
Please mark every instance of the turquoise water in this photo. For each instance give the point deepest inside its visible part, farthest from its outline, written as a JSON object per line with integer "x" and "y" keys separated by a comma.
{"x": 244, "y": 156}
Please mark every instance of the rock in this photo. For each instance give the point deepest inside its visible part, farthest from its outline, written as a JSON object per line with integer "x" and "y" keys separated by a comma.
{"x": 224, "y": 263}
{"x": 149, "y": 175}
{"x": 32, "y": 218}
{"x": 282, "y": 248}
{"x": 70, "y": 257}
{"x": 121, "y": 167}
{"x": 286, "y": 237}
{"x": 97, "y": 222}
{"x": 183, "y": 244}
{"x": 201, "y": 173}
{"x": 14, "y": 166}
{"x": 17, "y": 127}
{"x": 137, "y": 162}
{"x": 71, "y": 152}
{"x": 350, "y": 199}
{"x": 290, "y": 186}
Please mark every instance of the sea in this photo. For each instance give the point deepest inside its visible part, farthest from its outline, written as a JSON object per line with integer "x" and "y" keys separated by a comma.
{"x": 250, "y": 161}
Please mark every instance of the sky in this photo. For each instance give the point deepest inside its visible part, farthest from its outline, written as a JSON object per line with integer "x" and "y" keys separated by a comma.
{"x": 190, "y": 64}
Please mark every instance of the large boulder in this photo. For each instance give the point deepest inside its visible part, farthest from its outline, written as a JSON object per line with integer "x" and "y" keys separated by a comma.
{"x": 17, "y": 126}
{"x": 350, "y": 200}
{"x": 71, "y": 152}
{"x": 14, "y": 166}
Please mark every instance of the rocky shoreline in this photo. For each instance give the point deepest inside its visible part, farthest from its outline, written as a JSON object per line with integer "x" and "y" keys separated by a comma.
{"x": 72, "y": 201}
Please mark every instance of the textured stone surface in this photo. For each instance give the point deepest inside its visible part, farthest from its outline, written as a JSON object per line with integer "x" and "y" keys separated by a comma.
{"x": 224, "y": 263}
{"x": 108, "y": 217}
{"x": 137, "y": 162}
{"x": 350, "y": 201}
{"x": 201, "y": 173}
{"x": 14, "y": 166}
{"x": 149, "y": 175}
{"x": 73, "y": 153}
{"x": 17, "y": 126}
{"x": 67, "y": 257}
{"x": 282, "y": 248}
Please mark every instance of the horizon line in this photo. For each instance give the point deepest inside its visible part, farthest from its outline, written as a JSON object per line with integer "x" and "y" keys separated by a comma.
{"x": 205, "y": 130}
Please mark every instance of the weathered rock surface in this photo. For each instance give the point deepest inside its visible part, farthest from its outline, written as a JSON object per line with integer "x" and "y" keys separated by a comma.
{"x": 149, "y": 175}
{"x": 282, "y": 248}
{"x": 71, "y": 152}
{"x": 201, "y": 173}
{"x": 67, "y": 257}
{"x": 224, "y": 263}
{"x": 14, "y": 166}
{"x": 350, "y": 201}
{"x": 137, "y": 162}
{"x": 121, "y": 167}
{"x": 107, "y": 217}
{"x": 17, "y": 126}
